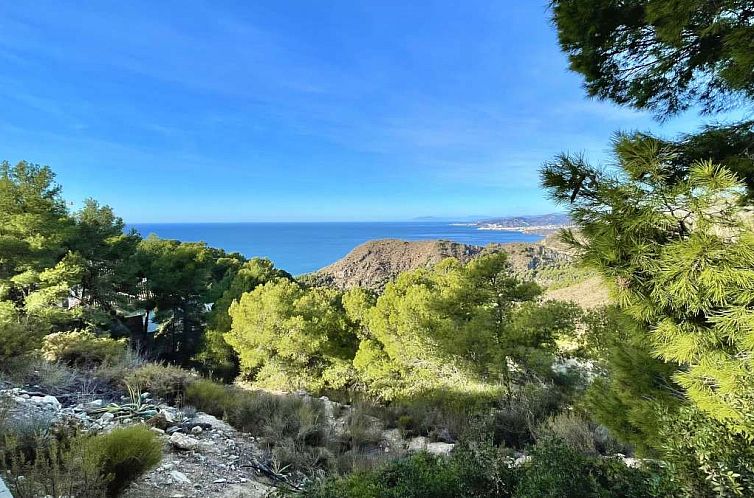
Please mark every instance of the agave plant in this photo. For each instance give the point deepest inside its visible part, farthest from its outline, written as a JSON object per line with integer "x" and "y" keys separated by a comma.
{"x": 137, "y": 407}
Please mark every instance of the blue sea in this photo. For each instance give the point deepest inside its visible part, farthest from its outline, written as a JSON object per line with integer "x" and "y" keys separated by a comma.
{"x": 306, "y": 247}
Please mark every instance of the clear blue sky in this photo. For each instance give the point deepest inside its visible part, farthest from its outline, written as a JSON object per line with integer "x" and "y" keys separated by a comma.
{"x": 296, "y": 110}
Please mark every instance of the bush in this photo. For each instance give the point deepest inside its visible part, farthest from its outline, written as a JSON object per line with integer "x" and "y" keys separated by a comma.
{"x": 211, "y": 397}
{"x": 124, "y": 454}
{"x": 164, "y": 381}
{"x": 50, "y": 378}
{"x": 65, "y": 464}
{"x": 293, "y": 430}
{"x": 51, "y": 468}
{"x": 15, "y": 339}
{"x": 515, "y": 421}
{"x": 420, "y": 476}
{"x": 82, "y": 348}
{"x": 581, "y": 434}
{"x": 472, "y": 471}
{"x": 557, "y": 471}
{"x": 363, "y": 430}
{"x": 706, "y": 457}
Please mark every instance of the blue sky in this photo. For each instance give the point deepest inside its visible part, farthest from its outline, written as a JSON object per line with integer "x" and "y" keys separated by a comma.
{"x": 297, "y": 110}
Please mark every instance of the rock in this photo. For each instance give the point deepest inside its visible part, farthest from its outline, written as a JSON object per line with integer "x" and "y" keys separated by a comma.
{"x": 106, "y": 417}
{"x": 184, "y": 442}
{"x": 418, "y": 444}
{"x": 93, "y": 405}
{"x": 440, "y": 449}
{"x": 208, "y": 421}
{"x": 197, "y": 429}
{"x": 524, "y": 459}
{"x": 160, "y": 421}
{"x": 393, "y": 438}
{"x": 179, "y": 477}
{"x": 373, "y": 264}
{"x": 157, "y": 430}
{"x": 51, "y": 401}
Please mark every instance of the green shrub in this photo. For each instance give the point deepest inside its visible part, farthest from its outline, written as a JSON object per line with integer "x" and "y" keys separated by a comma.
{"x": 52, "y": 378}
{"x": 293, "y": 430}
{"x": 705, "y": 456}
{"x": 50, "y": 467}
{"x": 164, "y": 381}
{"x": 65, "y": 464}
{"x": 363, "y": 430}
{"x": 420, "y": 476}
{"x": 516, "y": 418}
{"x": 557, "y": 471}
{"x": 211, "y": 397}
{"x": 16, "y": 339}
{"x": 274, "y": 416}
{"x": 82, "y": 348}
{"x": 472, "y": 471}
{"x": 573, "y": 429}
{"x": 124, "y": 454}
{"x": 437, "y": 415}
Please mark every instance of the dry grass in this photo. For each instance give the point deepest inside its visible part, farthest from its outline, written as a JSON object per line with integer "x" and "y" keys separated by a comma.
{"x": 590, "y": 294}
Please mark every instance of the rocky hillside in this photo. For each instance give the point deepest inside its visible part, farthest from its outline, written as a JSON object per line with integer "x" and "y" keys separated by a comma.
{"x": 549, "y": 262}
{"x": 373, "y": 264}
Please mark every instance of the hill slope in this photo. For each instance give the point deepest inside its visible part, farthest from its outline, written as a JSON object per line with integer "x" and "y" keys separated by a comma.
{"x": 373, "y": 264}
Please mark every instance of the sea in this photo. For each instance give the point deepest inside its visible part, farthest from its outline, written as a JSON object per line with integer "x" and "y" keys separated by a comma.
{"x": 306, "y": 247}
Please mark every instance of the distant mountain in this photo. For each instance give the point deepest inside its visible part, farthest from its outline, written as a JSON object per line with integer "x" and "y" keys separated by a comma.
{"x": 468, "y": 218}
{"x": 541, "y": 220}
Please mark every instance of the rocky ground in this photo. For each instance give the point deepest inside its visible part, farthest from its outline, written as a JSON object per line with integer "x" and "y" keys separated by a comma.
{"x": 202, "y": 456}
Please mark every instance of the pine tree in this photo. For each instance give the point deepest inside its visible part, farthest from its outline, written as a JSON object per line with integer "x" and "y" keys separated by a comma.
{"x": 679, "y": 254}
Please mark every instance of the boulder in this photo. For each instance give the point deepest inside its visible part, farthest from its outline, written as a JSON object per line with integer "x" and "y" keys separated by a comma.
{"x": 440, "y": 449}
{"x": 161, "y": 421}
{"x": 184, "y": 442}
{"x": 421, "y": 443}
{"x": 418, "y": 444}
{"x": 208, "y": 421}
{"x": 393, "y": 439}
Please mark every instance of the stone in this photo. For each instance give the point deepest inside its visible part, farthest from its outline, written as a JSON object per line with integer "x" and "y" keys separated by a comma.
{"x": 179, "y": 477}
{"x": 52, "y": 401}
{"x": 393, "y": 438}
{"x": 160, "y": 421}
{"x": 157, "y": 430}
{"x": 440, "y": 449}
{"x": 94, "y": 405}
{"x": 418, "y": 444}
{"x": 197, "y": 429}
{"x": 184, "y": 442}
{"x": 106, "y": 417}
{"x": 205, "y": 420}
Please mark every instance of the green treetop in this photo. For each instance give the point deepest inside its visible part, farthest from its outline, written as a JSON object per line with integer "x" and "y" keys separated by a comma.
{"x": 663, "y": 55}
{"x": 679, "y": 253}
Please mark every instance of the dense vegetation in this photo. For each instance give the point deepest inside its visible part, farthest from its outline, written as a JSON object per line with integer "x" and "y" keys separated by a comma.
{"x": 538, "y": 396}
